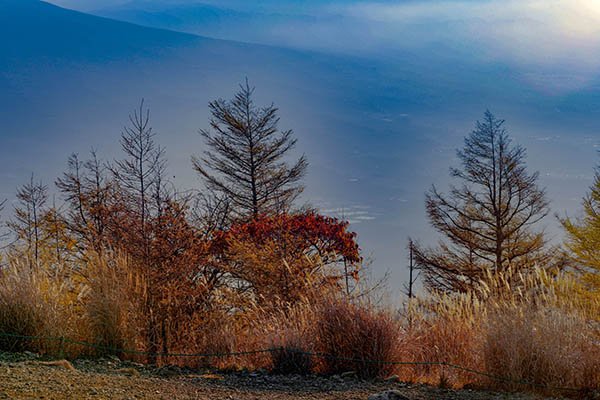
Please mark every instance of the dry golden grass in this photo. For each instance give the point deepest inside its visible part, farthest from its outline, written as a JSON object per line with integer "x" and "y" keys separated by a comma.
{"x": 113, "y": 298}
{"x": 532, "y": 327}
{"x": 37, "y": 302}
{"x": 526, "y": 328}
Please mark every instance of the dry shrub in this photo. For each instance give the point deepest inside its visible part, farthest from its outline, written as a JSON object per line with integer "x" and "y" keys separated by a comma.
{"x": 443, "y": 329}
{"x": 353, "y": 336}
{"x": 529, "y": 327}
{"x": 38, "y": 302}
{"x": 292, "y": 333}
{"x": 543, "y": 346}
{"x": 113, "y": 304}
{"x": 545, "y": 334}
{"x": 291, "y": 359}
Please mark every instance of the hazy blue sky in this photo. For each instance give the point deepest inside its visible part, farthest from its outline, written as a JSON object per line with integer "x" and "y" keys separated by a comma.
{"x": 554, "y": 43}
{"x": 380, "y": 94}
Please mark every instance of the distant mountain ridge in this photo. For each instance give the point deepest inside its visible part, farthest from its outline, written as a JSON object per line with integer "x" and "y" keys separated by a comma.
{"x": 41, "y": 29}
{"x": 247, "y": 24}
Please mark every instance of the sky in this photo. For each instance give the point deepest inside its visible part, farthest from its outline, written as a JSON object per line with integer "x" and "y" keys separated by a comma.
{"x": 380, "y": 94}
{"x": 553, "y": 42}
{"x": 531, "y": 32}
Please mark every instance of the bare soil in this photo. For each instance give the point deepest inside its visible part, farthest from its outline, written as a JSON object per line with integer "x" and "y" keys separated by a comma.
{"x": 25, "y": 377}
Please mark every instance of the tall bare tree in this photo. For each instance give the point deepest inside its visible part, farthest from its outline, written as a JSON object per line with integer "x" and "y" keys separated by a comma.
{"x": 245, "y": 156}
{"x": 488, "y": 220}
{"x": 28, "y": 214}
{"x": 141, "y": 184}
{"x": 3, "y": 233}
{"x": 140, "y": 175}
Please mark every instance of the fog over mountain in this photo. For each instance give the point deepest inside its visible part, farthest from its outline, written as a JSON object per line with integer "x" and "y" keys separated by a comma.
{"x": 379, "y": 124}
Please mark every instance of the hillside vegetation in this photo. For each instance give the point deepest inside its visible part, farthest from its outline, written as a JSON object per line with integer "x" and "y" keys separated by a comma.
{"x": 242, "y": 273}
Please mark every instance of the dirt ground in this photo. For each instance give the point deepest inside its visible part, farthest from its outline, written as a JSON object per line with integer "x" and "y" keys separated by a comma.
{"x": 111, "y": 379}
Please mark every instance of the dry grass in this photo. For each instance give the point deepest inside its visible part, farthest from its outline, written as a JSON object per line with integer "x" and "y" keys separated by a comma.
{"x": 447, "y": 329}
{"x": 529, "y": 328}
{"x": 113, "y": 299}
{"x": 547, "y": 347}
{"x": 533, "y": 328}
{"x": 292, "y": 330}
{"x": 37, "y": 302}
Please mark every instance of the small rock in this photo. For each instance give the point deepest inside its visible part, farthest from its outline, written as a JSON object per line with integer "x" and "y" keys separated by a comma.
{"x": 60, "y": 363}
{"x": 388, "y": 395}
{"x": 129, "y": 371}
{"x": 114, "y": 358}
{"x": 348, "y": 374}
{"x": 29, "y": 354}
{"x": 392, "y": 379}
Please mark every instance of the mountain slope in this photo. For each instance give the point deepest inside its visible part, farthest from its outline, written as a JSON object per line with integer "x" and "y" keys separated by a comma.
{"x": 377, "y": 134}
{"x": 38, "y": 29}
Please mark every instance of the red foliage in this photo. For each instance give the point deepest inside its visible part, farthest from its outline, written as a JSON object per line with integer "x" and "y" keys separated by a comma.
{"x": 272, "y": 252}
{"x": 327, "y": 236}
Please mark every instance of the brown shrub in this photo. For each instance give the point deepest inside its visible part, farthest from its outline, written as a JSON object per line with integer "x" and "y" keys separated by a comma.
{"x": 354, "y": 337}
{"x": 442, "y": 330}
{"x": 544, "y": 346}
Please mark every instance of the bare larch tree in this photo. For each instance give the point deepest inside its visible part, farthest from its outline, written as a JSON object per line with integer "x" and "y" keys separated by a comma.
{"x": 3, "y": 233}
{"x": 488, "y": 220}
{"x": 28, "y": 215}
{"x": 86, "y": 188}
{"x": 140, "y": 178}
{"x": 245, "y": 157}
{"x": 140, "y": 175}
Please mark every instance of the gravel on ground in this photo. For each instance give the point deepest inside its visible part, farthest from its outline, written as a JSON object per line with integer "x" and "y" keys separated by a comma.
{"x": 24, "y": 376}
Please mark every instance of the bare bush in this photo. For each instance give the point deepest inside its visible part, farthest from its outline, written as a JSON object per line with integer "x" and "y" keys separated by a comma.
{"x": 355, "y": 336}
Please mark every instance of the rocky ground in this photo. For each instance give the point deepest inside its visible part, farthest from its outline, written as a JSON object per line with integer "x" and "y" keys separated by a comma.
{"x": 25, "y": 376}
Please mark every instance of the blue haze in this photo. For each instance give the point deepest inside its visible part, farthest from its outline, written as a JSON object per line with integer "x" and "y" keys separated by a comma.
{"x": 379, "y": 104}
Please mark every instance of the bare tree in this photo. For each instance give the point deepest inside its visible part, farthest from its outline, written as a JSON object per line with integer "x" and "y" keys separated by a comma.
{"x": 26, "y": 225}
{"x": 413, "y": 276}
{"x": 211, "y": 212}
{"x": 140, "y": 175}
{"x": 142, "y": 186}
{"x": 87, "y": 190}
{"x": 488, "y": 220}
{"x": 3, "y": 233}
{"x": 245, "y": 159}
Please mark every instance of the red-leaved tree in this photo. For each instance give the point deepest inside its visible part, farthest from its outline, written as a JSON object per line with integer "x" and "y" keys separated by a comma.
{"x": 286, "y": 257}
